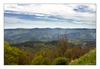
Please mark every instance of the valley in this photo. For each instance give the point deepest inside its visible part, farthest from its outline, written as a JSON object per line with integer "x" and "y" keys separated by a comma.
{"x": 50, "y": 43}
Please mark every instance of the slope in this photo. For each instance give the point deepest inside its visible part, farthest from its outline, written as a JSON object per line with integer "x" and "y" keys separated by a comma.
{"x": 87, "y": 59}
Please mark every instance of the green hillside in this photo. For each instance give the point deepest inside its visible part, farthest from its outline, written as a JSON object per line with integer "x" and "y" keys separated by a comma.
{"x": 87, "y": 59}
{"x": 14, "y": 36}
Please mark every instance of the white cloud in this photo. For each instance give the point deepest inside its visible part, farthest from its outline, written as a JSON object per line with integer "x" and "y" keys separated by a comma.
{"x": 78, "y": 22}
{"x": 64, "y": 10}
{"x": 42, "y": 8}
{"x": 39, "y": 15}
{"x": 54, "y": 9}
{"x": 12, "y": 7}
{"x": 92, "y": 6}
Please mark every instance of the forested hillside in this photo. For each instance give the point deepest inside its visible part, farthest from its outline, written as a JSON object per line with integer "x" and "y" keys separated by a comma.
{"x": 48, "y": 46}
{"x": 14, "y": 36}
{"x": 59, "y": 52}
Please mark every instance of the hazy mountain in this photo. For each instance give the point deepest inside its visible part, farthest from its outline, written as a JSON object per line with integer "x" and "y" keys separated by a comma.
{"x": 47, "y": 34}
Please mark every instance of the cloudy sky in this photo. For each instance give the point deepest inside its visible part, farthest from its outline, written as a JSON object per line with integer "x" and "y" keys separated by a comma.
{"x": 49, "y": 16}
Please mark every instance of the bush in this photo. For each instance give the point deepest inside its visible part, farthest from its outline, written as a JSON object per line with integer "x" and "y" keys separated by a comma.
{"x": 87, "y": 59}
{"x": 14, "y": 56}
{"x": 45, "y": 61}
{"x": 60, "y": 61}
{"x": 39, "y": 60}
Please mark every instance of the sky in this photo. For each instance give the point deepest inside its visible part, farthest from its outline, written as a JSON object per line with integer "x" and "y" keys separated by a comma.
{"x": 49, "y": 15}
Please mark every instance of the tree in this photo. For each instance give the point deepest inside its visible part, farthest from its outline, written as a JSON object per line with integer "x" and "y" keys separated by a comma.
{"x": 69, "y": 54}
{"x": 46, "y": 53}
{"x": 14, "y": 56}
{"x": 76, "y": 52}
{"x": 39, "y": 46}
{"x": 63, "y": 43}
{"x": 10, "y": 56}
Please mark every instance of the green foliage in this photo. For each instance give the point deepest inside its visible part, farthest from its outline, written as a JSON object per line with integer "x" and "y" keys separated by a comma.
{"x": 14, "y": 56}
{"x": 39, "y": 46}
{"x": 27, "y": 49}
{"x": 69, "y": 54}
{"x": 48, "y": 53}
{"x": 61, "y": 61}
{"x": 9, "y": 56}
{"x": 89, "y": 58}
{"x": 23, "y": 58}
{"x": 39, "y": 60}
{"x": 45, "y": 61}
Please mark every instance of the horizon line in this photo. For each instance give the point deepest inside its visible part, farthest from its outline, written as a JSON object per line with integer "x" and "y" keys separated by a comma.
{"x": 49, "y": 28}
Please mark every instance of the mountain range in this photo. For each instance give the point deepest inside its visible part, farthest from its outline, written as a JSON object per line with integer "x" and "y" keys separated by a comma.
{"x": 20, "y": 35}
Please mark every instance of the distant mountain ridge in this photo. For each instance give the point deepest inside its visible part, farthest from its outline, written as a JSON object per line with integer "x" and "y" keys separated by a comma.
{"x": 47, "y": 34}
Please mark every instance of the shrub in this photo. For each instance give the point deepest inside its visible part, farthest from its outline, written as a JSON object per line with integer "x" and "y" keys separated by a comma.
{"x": 39, "y": 60}
{"x": 60, "y": 61}
{"x": 45, "y": 61}
{"x": 14, "y": 56}
{"x": 87, "y": 59}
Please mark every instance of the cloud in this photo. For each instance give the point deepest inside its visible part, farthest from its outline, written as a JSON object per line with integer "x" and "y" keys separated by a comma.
{"x": 35, "y": 16}
{"x": 39, "y": 15}
{"x": 11, "y": 22}
{"x": 23, "y": 4}
{"x": 83, "y": 8}
{"x": 65, "y": 13}
{"x": 78, "y": 22}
